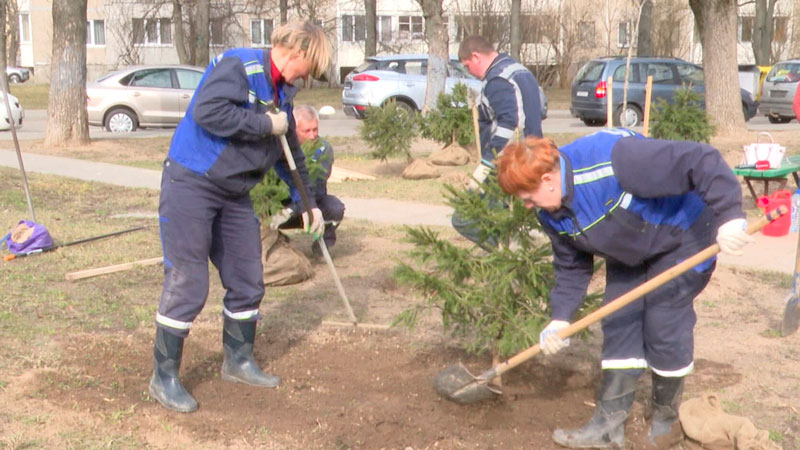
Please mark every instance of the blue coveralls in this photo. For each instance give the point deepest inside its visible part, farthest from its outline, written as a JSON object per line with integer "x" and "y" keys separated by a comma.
{"x": 332, "y": 208}
{"x": 509, "y": 101}
{"x": 220, "y": 150}
{"x": 644, "y": 205}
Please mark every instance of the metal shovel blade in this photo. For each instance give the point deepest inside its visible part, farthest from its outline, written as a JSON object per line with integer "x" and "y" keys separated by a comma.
{"x": 457, "y": 384}
{"x": 791, "y": 316}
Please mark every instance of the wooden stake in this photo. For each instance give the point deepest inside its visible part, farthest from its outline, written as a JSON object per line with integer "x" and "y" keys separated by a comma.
{"x": 610, "y": 106}
{"x": 648, "y": 93}
{"x": 88, "y": 273}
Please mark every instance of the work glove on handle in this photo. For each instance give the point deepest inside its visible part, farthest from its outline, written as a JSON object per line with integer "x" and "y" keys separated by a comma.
{"x": 549, "y": 341}
{"x": 317, "y": 225}
{"x": 478, "y": 177}
{"x": 732, "y": 236}
{"x": 280, "y": 122}
{"x": 280, "y": 218}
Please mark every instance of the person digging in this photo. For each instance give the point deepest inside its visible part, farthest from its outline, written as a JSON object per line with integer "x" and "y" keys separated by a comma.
{"x": 230, "y": 137}
{"x": 307, "y": 125}
{"x": 643, "y": 205}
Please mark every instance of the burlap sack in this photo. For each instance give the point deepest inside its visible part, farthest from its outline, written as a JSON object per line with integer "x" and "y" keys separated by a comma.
{"x": 282, "y": 263}
{"x": 452, "y": 155}
{"x": 704, "y": 421}
{"x": 420, "y": 169}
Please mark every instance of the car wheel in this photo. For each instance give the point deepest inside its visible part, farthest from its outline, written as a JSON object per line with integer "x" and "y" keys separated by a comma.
{"x": 594, "y": 122}
{"x": 121, "y": 120}
{"x": 403, "y": 105}
{"x": 777, "y": 119}
{"x": 14, "y": 78}
{"x": 630, "y": 118}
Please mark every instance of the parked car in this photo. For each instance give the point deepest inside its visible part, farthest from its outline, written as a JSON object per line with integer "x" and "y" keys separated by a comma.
{"x": 17, "y": 74}
{"x": 589, "y": 90}
{"x": 402, "y": 78}
{"x": 142, "y": 96}
{"x": 778, "y": 91}
{"x": 16, "y": 112}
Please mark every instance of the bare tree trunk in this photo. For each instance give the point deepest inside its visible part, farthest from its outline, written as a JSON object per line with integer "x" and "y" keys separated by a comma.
{"x": 371, "y": 45}
{"x": 177, "y": 24}
{"x": 438, "y": 50}
{"x": 67, "y": 122}
{"x": 762, "y": 32}
{"x": 3, "y": 19}
{"x": 284, "y": 9}
{"x": 12, "y": 32}
{"x": 645, "y": 45}
{"x": 202, "y": 15}
{"x": 516, "y": 36}
{"x": 716, "y": 20}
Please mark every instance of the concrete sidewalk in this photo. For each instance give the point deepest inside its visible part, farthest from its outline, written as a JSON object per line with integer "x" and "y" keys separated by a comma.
{"x": 768, "y": 253}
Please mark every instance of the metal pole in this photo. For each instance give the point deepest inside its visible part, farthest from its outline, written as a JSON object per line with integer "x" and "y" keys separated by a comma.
{"x": 4, "y": 84}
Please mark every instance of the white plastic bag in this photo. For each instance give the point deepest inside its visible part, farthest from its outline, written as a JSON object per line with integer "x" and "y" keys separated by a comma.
{"x": 764, "y": 155}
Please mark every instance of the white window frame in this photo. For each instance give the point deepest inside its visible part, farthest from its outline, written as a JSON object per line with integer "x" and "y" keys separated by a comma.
{"x": 351, "y": 22}
{"x": 159, "y": 42}
{"x": 24, "y": 27}
{"x": 414, "y": 27}
{"x": 383, "y": 30}
{"x": 624, "y": 36}
{"x": 91, "y": 27}
{"x": 266, "y": 38}
{"x": 211, "y": 37}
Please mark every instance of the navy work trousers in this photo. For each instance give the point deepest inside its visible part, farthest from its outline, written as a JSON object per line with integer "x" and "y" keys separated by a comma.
{"x": 198, "y": 221}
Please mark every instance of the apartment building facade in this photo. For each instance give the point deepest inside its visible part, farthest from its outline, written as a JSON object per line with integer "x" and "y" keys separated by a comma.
{"x": 557, "y": 35}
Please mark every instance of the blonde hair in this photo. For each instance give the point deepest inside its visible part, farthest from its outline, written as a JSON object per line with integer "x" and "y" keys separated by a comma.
{"x": 521, "y": 164}
{"x": 308, "y": 38}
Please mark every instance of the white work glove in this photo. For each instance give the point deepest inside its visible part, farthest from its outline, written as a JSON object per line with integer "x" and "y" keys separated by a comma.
{"x": 280, "y": 122}
{"x": 280, "y": 218}
{"x": 478, "y": 177}
{"x": 732, "y": 236}
{"x": 317, "y": 225}
{"x": 549, "y": 341}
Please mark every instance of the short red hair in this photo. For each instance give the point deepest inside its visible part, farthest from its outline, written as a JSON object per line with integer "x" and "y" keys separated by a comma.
{"x": 521, "y": 164}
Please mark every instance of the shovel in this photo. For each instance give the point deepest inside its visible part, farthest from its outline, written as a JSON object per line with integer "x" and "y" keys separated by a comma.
{"x": 791, "y": 313}
{"x": 457, "y": 384}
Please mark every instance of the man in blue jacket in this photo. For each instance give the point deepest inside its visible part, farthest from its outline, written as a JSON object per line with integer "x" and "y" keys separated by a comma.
{"x": 509, "y": 108}
{"x": 307, "y": 124}
{"x": 224, "y": 145}
{"x": 643, "y": 205}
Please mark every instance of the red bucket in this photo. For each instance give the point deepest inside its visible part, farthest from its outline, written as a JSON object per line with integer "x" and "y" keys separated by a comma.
{"x": 779, "y": 226}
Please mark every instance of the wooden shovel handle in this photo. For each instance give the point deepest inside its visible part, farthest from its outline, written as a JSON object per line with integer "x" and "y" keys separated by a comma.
{"x": 634, "y": 294}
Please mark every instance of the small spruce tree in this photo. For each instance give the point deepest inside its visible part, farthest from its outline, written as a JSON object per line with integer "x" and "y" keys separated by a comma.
{"x": 682, "y": 120}
{"x": 495, "y": 300}
{"x": 389, "y": 130}
{"x": 451, "y": 120}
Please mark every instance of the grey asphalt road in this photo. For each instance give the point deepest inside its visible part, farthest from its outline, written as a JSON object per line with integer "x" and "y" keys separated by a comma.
{"x": 558, "y": 121}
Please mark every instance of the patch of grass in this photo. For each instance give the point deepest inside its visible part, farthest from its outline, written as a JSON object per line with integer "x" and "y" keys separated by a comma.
{"x": 768, "y": 277}
{"x": 318, "y": 97}
{"x": 770, "y": 333}
{"x": 776, "y": 436}
{"x": 30, "y": 95}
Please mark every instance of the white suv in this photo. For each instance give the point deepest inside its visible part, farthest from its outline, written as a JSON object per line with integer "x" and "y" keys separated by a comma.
{"x": 402, "y": 78}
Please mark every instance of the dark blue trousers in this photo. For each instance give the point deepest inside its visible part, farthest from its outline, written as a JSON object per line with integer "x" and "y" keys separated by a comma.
{"x": 199, "y": 222}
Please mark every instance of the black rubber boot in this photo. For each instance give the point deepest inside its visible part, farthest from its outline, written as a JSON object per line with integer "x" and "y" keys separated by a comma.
{"x": 665, "y": 428}
{"x": 165, "y": 386}
{"x": 239, "y": 365}
{"x": 606, "y": 428}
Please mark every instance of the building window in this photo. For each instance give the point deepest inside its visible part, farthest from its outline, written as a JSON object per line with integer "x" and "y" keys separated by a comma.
{"x": 586, "y": 34}
{"x": 385, "y": 28}
{"x": 217, "y": 31}
{"x": 152, "y": 31}
{"x": 624, "y": 34}
{"x": 354, "y": 28}
{"x": 411, "y": 27}
{"x": 780, "y": 26}
{"x": 261, "y": 32}
{"x": 745, "y": 28}
{"x": 95, "y": 32}
{"x": 25, "y": 27}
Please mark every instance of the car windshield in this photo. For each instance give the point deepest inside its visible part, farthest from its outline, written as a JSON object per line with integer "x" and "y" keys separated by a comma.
{"x": 784, "y": 73}
{"x": 591, "y": 71}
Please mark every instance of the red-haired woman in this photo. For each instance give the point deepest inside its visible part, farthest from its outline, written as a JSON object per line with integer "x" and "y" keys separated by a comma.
{"x": 643, "y": 205}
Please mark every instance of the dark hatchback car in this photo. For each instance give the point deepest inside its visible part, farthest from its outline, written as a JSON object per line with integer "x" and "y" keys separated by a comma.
{"x": 590, "y": 88}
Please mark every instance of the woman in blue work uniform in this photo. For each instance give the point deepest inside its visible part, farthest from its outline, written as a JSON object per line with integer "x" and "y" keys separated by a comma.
{"x": 643, "y": 205}
{"x": 224, "y": 145}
